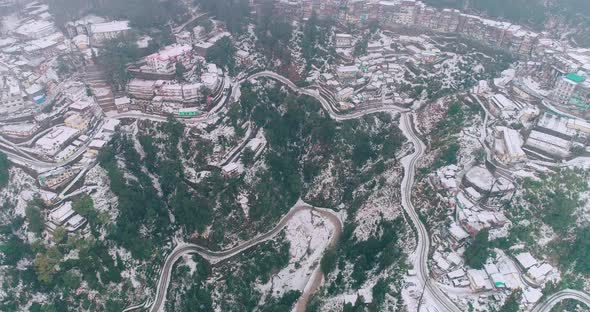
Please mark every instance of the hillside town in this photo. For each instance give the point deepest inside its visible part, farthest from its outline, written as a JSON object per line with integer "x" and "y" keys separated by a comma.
{"x": 490, "y": 119}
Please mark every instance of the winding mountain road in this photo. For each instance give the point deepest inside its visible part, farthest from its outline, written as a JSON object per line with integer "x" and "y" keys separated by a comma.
{"x": 432, "y": 291}
{"x": 214, "y": 257}
{"x": 315, "y": 282}
{"x": 567, "y": 294}
{"x": 423, "y": 244}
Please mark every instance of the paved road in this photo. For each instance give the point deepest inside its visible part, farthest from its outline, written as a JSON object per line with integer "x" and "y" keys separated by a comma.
{"x": 37, "y": 136}
{"x": 556, "y": 298}
{"x": 433, "y": 292}
{"x": 409, "y": 166}
{"x": 181, "y": 27}
{"x": 325, "y": 103}
{"x": 14, "y": 150}
{"x": 217, "y": 256}
{"x": 441, "y": 301}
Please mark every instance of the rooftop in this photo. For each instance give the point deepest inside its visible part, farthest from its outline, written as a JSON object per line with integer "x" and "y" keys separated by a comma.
{"x": 575, "y": 77}
{"x": 113, "y": 26}
{"x": 171, "y": 51}
{"x": 33, "y": 27}
{"x": 62, "y": 213}
{"x": 526, "y": 260}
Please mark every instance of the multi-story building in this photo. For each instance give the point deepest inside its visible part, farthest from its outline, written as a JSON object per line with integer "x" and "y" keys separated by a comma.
{"x": 513, "y": 38}
{"x": 109, "y": 30}
{"x": 406, "y": 13}
{"x": 19, "y": 130}
{"x": 529, "y": 40}
{"x": 448, "y": 20}
{"x": 77, "y": 121}
{"x": 387, "y": 12}
{"x": 65, "y": 216}
{"x": 11, "y": 99}
{"x": 290, "y": 8}
{"x": 82, "y": 26}
{"x": 581, "y": 97}
{"x": 170, "y": 92}
{"x": 192, "y": 92}
{"x": 347, "y": 73}
{"x": 357, "y": 12}
{"x": 57, "y": 177}
{"x": 36, "y": 29}
{"x": 508, "y": 146}
{"x": 425, "y": 16}
{"x": 142, "y": 89}
{"x": 165, "y": 60}
{"x": 55, "y": 140}
{"x": 565, "y": 87}
{"x": 343, "y": 40}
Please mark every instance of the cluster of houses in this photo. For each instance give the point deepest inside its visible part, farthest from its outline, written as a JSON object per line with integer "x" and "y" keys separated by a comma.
{"x": 162, "y": 94}
{"x": 404, "y": 13}
{"x": 177, "y": 79}
{"x": 65, "y": 216}
{"x": 475, "y": 200}
{"x": 548, "y": 136}
{"x": 94, "y": 30}
{"x": 374, "y": 78}
{"x": 555, "y": 65}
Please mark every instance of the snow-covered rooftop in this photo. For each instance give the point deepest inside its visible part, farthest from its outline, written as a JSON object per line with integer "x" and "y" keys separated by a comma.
{"x": 526, "y": 260}
{"x": 114, "y": 26}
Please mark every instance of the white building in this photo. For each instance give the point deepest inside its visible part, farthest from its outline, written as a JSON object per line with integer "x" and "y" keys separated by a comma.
{"x": 343, "y": 41}
{"x": 19, "y": 130}
{"x": 526, "y": 260}
{"x": 210, "y": 80}
{"x": 555, "y": 124}
{"x": 565, "y": 87}
{"x": 347, "y": 72}
{"x": 184, "y": 38}
{"x": 142, "y": 89}
{"x": 109, "y": 30}
{"x": 508, "y": 145}
{"x": 122, "y": 103}
{"x": 548, "y": 144}
{"x": 36, "y": 29}
{"x": 479, "y": 280}
{"x": 344, "y": 94}
{"x": 230, "y": 169}
{"x": 539, "y": 273}
{"x": 579, "y": 126}
{"x": 55, "y": 140}
{"x": 11, "y": 99}
{"x": 192, "y": 91}
{"x": 170, "y": 91}
{"x": 65, "y": 216}
{"x": 483, "y": 181}
{"x": 165, "y": 60}
{"x": 110, "y": 125}
{"x": 457, "y": 234}
{"x": 505, "y": 106}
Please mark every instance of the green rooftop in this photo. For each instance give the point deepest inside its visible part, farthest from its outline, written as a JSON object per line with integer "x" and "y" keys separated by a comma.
{"x": 499, "y": 284}
{"x": 575, "y": 77}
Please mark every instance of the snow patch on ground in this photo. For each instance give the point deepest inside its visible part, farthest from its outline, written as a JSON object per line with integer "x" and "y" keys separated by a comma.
{"x": 190, "y": 263}
{"x": 20, "y": 189}
{"x": 309, "y": 235}
{"x": 104, "y": 199}
{"x": 383, "y": 204}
